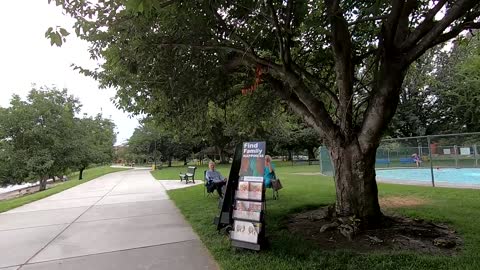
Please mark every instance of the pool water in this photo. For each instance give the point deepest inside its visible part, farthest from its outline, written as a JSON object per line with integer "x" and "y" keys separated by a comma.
{"x": 450, "y": 176}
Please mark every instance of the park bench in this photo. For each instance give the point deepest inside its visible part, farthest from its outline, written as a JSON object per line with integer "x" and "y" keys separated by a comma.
{"x": 383, "y": 161}
{"x": 189, "y": 175}
{"x": 407, "y": 160}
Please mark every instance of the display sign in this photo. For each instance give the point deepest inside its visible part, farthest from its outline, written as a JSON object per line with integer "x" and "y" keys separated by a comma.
{"x": 248, "y": 230}
{"x": 465, "y": 151}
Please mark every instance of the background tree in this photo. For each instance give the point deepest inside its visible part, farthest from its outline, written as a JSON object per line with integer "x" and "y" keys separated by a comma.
{"x": 339, "y": 65}
{"x": 151, "y": 143}
{"x": 457, "y": 87}
{"x": 93, "y": 142}
{"x": 36, "y": 135}
{"x": 40, "y": 138}
{"x": 416, "y": 108}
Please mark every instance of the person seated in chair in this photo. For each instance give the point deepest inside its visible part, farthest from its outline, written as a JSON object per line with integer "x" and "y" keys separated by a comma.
{"x": 215, "y": 180}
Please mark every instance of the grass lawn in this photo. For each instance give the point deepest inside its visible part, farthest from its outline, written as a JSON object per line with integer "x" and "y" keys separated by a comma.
{"x": 88, "y": 175}
{"x": 171, "y": 173}
{"x": 457, "y": 207}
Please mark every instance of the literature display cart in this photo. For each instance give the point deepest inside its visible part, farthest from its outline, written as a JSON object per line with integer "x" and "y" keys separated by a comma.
{"x": 248, "y": 229}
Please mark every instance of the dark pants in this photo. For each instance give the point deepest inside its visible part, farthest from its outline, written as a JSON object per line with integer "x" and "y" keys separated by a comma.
{"x": 216, "y": 186}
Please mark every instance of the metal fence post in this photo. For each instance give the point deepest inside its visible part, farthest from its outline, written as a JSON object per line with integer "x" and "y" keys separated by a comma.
{"x": 388, "y": 157}
{"x": 475, "y": 155}
{"x": 455, "y": 155}
{"x": 431, "y": 161}
{"x": 320, "y": 158}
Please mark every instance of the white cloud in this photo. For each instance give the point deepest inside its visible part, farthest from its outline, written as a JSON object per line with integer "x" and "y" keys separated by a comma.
{"x": 26, "y": 57}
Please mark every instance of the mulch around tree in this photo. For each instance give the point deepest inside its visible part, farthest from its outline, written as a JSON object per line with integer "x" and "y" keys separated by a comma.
{"x": 397, "y": 234}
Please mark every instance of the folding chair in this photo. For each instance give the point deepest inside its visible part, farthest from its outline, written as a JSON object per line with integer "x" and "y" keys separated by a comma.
{"x": 205, "y": 191}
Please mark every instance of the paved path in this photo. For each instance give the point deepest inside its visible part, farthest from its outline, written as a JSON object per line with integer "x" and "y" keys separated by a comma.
{"x": 120, "y": 221}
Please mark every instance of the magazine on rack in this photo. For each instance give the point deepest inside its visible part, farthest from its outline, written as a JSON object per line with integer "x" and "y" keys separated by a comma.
{"x": 247, "y": 210}
{"x": 255, "y": 191}
{"x": 246, "y": 231}
{"x": 243, "y": 190}
{"x": 250, "y": 190}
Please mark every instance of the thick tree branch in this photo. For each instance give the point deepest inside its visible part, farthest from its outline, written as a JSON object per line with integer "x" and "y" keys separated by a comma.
{"x": 240, "y": 51}
{"x": 390, "y": 25}
{"x": 344, "y": 67}
{"x": 165, "y": 4}
{"x": 455, "y": 32}
{"x": 318, "y": 85}
{"x": 231, "y": 31}
{"x": 424, "y": 26}
{"x": 297, "y": 72}
{"x": 294, "y": 103}
{"x": 288, "y": 31}
{"x": 312, "y": 111}
{"x": 428, "y": 40}
{"x": 402, "y": 28}
{"x": 382, "y": 102}
{"x": 368, "y": 19}
{"x": 278, "y": 32}
{"x": 288, "y": 20}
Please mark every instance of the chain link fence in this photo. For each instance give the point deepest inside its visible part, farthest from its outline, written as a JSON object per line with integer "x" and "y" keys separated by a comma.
{"x": 434, "y": 152}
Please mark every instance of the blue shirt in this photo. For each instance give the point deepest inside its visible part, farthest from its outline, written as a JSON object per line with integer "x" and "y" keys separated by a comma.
{"x": 268, "y": 176}
{"x": 214, "y": 176}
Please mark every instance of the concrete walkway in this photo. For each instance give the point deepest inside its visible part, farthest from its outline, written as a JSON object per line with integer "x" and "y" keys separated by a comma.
{"x": 119, "y": 221}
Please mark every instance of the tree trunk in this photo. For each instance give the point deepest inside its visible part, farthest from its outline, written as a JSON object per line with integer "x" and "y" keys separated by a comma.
{"x": 80, "y": 175}
{"x": 290, "y": 155}
{"x": 185, "y": 161}
{"x": 170, "y": 162}
{"x": 355, "y": 183}
{"x": 223, "y": 158}
{"x": 43, "y": 184}
{"x": 311, "y": 153}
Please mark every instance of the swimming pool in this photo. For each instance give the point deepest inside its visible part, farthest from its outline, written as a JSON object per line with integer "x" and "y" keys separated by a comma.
{"x": 443, "y": 176}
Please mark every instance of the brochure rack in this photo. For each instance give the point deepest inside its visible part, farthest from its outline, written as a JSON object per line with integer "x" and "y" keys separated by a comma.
{"x": 248, "y": 228}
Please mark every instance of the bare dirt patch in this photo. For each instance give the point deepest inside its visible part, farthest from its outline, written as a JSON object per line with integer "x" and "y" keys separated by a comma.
{"x": 401, "y": 201}
{"x": 396, "y": 234}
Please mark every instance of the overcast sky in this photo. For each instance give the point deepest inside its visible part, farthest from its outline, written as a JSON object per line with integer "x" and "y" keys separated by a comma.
{"x": 27, "y": 58}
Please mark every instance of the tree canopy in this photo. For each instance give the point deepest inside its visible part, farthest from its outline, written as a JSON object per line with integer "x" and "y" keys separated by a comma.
{"x": 41, "y": 137}
{"x": 340, "y": 65}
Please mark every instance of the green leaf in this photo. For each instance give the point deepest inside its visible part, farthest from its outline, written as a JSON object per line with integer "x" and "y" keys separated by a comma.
{"x": 64, "y": 32}
{"x": 133, "y": 5}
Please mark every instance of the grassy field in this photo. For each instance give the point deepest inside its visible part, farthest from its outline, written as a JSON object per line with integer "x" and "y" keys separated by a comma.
{"x": 457, "y": 207}
{"x": 172, "y": 173}
{"x": 88, "y": 175}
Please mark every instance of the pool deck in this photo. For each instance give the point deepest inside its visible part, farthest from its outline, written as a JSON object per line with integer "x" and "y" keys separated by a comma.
{"x": 427, "y": 184}
{"x": 406, "y": 182}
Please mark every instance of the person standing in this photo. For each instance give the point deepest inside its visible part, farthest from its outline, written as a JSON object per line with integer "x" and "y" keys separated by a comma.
{"x": 269, "y": 171}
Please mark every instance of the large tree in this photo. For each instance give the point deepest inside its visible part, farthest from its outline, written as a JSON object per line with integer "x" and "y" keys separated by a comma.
{"x": 417, "y": 110}
{"x": 338, "y": 64}
{"x": 36, "y": 136}
{"x": 456, "y": 87}
{"x": 93, "y": 142}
